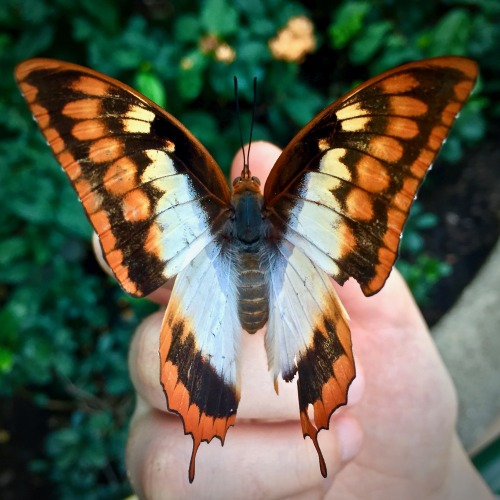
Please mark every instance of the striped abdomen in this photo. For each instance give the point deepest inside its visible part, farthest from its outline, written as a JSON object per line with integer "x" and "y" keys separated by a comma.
{"x": 253, "y": 295}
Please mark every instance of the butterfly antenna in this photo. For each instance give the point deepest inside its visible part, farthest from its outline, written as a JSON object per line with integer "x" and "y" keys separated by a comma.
{"x": 246, "y": 171}
{"x": 253, "y": 120}
{"x": 246, "y": 155}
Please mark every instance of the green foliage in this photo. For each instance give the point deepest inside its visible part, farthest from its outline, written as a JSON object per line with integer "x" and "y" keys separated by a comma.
{"x": 420, "y": 271}
{"x": 64, "y": 326}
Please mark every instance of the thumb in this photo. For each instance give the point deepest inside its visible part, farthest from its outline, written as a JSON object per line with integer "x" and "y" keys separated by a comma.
{"x": 262, "y": 158}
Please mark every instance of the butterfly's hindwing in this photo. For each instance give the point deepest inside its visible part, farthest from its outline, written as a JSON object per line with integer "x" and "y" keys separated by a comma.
{"x": 343, "y": 188}
{"x": 308, "y": 335}
{"x": 151, "y": 191}
{"x": 199, "y": 347}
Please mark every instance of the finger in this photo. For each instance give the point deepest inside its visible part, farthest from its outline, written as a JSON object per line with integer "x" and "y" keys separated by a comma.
{"x": 263, "y": 156}
{"x": 393, "y": 305}
{"x": 259, "y": 460}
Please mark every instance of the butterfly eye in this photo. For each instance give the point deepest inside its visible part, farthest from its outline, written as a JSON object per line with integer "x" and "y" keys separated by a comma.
{"x": 256, "y": 180}
{"x": 236, "y": 180}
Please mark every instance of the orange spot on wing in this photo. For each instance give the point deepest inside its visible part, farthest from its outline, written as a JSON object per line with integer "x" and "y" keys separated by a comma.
{"x": 377, "y": 282}
{"x": 88, "y": 130}
{"x": 108, "y": 241}
{"x": 54, "y": 139}
{"x": 438, "y": 133}
{"x": 344, "y": 335}
{"x": 70, "y": 165}
{"x": 450, "y": 112}
{"x": 398, "y": 84}
{"x": 402, "y": 127}
{"x": 462, "y": 89}
{"x": 331, "y": 394}
{"x": 410, "y": 186}
{"x": 395, "y": 219}
{"x": 100, "y": 221}
{"x": 92, "y": 202}
{"x": 323, "y": 145}
{"x": 105, "y": 150}
{"x": 41, "y": 114}
{"x": 114, "y": 260}
{"x": 169, "y": 146}
{"x": 57, "y": 145}
{"x": 407, "y": 106}
{"x": 82, "y": 109}
{"x": 343, "y": 368}
{"x": 120, "y": 177}
{"x": 385, "y": 148}
{"x": 386, "y": 260}
{"x": 91, "y": 86}
{"x": 359, "y": 205}
{"x": 83, "y": 188}
{"x": 422, "y": 163}
{"x": 153, "y": 241}
{"x": 136, "y": 206}
{"x": 372, "y": 175}
{"x": 402, "y": 201}
{"x": 346, "y": 239}
{"x": 29, "y": 92}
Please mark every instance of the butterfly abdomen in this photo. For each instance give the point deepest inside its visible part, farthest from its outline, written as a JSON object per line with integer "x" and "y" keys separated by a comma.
{"x": 253, "y": 290}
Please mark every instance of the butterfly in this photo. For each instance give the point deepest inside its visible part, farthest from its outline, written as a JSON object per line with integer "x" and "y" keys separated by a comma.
{"x": 334, "y": 205}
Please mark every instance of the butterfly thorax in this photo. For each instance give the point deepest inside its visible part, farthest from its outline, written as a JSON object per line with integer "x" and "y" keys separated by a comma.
{"x": 253, "y": 290}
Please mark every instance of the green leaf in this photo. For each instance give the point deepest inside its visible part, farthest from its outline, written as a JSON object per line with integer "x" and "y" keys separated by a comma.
{"x": 218, "y": 17}
{"x": 12, "y": 249}
{"x": 151, "y": 86}
{"x": 6, "y": 360}
{"x": 104, "y": 12}
{"x": 452, "y": 33}
{"x": 302, "y": 104}
{"x": 348, "y": 22}
{"x": 187, "y": 28}
{"x": 370, "y": 41}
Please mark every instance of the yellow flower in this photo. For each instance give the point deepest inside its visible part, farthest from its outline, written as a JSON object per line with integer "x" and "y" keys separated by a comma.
{"x": 221, "y": 50}
{"x": 294, "y": 41}
{"x": 225, "y": 53}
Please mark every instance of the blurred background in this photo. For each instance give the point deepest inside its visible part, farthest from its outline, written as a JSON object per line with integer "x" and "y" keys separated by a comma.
{"x": 65, "y": 327}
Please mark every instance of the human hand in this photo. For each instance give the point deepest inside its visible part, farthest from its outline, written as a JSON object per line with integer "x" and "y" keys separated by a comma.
{"x": 403, "y": 415}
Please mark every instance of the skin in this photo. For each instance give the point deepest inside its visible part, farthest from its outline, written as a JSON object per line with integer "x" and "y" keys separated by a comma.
{"x": 395, "y": 439}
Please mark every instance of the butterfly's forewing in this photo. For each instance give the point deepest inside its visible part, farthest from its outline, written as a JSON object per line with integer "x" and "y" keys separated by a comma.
{"x": 339, "y": 195}
{"x": 342, "y": 189}
{"x": 152, "y": 192}
{"x": 159, "y": 204}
